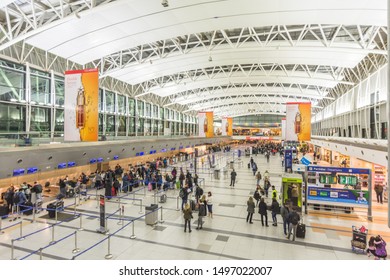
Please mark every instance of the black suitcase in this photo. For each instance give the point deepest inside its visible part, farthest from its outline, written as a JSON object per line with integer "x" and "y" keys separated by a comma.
{"x": 192, "y": 205}
{"x": 27, "y": 208}
{"x": 3, "y": 211}
{"x": 51, "y": 207}
{"x": 301, "y": 230}
{"x": 249, "y": 166}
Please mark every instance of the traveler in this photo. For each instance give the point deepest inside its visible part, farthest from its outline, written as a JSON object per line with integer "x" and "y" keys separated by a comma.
{"x": 274, "y": 192}
{"x": 258, "y": 178}
{"x": 380, "y": 248}
{"x": 263, "y": 212}
{"x": 201, "y": 212}
{"x": 293, "y": 220}
{"x": 209, "y": 203}
{"x": 250, "y": 209}
{"x": 274, "y": 211}
{"x": 187, "y": 217}
{"x": 9, "y": 198}
{"x": 233, "y": 176}
{"x": 284, "y": 212}
{"x": 379, "y": 193}
{"x": 257, "y": 195}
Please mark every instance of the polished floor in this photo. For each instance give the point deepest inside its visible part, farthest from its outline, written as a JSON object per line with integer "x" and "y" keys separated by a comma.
{"x": 225, "y": 236}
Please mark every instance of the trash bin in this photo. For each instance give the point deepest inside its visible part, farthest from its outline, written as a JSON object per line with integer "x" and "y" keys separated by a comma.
{"x": 232, "y": 165}
{"x": 216, "y": 173}
{"x": 150, "y": 216}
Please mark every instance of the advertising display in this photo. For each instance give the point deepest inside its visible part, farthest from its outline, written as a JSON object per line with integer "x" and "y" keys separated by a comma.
{"x": 81, "y": 105}
{"x": 227, "y": 126}
{"x": 358, "y": 197}
{"x": 206, "y": 124}
{"x": 292, "y": 190}
{"x": 298, "y": 121}
{"x": 339, "y": 186}
{"x": 288, "y": 160}
{"x": 284, "y": 129}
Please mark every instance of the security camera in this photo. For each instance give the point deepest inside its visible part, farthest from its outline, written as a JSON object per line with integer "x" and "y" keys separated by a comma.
{"x": 164, "y": 3}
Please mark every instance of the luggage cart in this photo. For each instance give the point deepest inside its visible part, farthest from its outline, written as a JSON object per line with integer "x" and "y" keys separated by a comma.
{"x": 359, "y": 240}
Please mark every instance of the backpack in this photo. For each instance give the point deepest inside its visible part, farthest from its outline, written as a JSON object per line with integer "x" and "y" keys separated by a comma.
{"x": 294, "y": 218}
{"x": 38, "y": 188}
{"x": 16, "y": 197}
{"x": 181, "y": 193}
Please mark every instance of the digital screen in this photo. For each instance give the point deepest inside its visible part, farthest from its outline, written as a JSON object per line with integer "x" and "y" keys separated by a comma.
{"x": 100, "y": 159}
{"x": 61, "y": 165}
{"x": 18, "y": 172}
{"x": 141, "y": 153}
{"x": 92, "y": 160}
{"x": 137, "y": 154}
{"x": 71, "y": 164}
{"x": 172, "y": 149}
{"x": 116, "y": 157}
{"x": 31, "y": 170}
{"x": 328, "y": 179}
{"x": 348, "y": 180}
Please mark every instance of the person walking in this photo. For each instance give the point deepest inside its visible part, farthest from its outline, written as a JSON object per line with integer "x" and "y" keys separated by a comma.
{"x": 263, "y": 212}
{"x": 258, "y": 178}
{"x": 293, "y": 220}
{"x": 250, "y": 209}
{"x": 284, "y": 211}
{"x": 254, "y": 168}
{"x": 274, "y": 192}
{"x": 9, "y": 198}
{"x": 209, "y": 202}
{"x": 233, "y": 176}
{"x": 274, "y": 211}
{"x": 187, "y": 213}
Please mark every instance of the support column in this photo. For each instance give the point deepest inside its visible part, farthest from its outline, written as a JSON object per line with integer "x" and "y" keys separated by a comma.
{"x": 388, "y": 113}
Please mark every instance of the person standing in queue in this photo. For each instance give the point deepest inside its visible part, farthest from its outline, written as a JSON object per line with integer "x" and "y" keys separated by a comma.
{"x": 263, "y": 212}
{"x": 250, "y": 209}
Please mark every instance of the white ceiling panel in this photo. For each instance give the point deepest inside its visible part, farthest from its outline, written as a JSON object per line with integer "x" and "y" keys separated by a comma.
{"x": 342, "y": 55}
{"x": 204, "y": 83}
{"x": 125, "y": 24}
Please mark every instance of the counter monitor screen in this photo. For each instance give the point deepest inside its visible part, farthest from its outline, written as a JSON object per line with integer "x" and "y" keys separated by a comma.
{"x": 328, "y": 179}
{"x": 348, "y": 180}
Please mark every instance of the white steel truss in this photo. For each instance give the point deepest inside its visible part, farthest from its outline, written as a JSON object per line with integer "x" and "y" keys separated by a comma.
{"x": 368, "y": 38}
{"x": 21, "y": 20}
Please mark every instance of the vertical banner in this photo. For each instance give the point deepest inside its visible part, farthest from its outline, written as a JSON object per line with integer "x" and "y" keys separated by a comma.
{"x": 209, "y": 124}
{"x": 81, "y": 105}
{"x": 298, "y": 121}
{"x": 230, "y": 126}
{"x": 202, "y": 124}
{"x": 284, "y": 129}
{"x": 288, "y": 160}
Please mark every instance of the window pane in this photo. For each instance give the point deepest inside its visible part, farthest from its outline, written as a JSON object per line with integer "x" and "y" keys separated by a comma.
{"x": 60, "y": 92}
{"x": 101, "y": 105}
{"x": 40, "y": 89}
{"x": 111, "y": 124}
{"x": 12, "y": 118}
{"x": 110, "y": 102}
{"x": 140, "y": 108}
{"x": 140, "y": 127}
{"x": 131, "y": 107}
{"x": 59, "y": 124}
{"x": 40, "y": 119}
{"x": 131, "y": 126}
{"x": 11, "y": 85}
{"x": 121, "y": 104}
{"x": 122, "y": 126}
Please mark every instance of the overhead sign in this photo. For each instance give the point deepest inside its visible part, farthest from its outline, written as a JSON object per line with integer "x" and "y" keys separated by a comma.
{"x": 315, "y": 168}
{"x": 298, "y": 121}
{"x": 305, "y": 161}
{"x": 206, "y": 124}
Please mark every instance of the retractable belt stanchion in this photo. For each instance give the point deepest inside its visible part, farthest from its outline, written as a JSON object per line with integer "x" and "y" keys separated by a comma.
{"x": 140, "y": 207}
{"x": 81, "y": 223}
{"x": 21, "y": 238}
{"x": 33, "y": 219}
{"x": 133, "y": 234}
{"x": 52, "y": 235}
{"x": 120, "y": 215}
{"x": 40, "y": 254}
{"x": 12, "y": 249}
{"x": 162, "y": 220}
{"x": 109, "y": 255}
{"x": 97, "y": 198}
{"x": 75, "y": 204}
{"x": 133, "y": 196}
{"x": 76, "y": 249}
{"x": 1, "y": 225}
{"x": 177, "y": 204}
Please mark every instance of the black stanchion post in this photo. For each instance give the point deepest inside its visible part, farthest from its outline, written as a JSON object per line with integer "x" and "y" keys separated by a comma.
{"x": 140, "y": 207}
{"x": 52, "y": 235}
{"x": 12, "y": 249}
{"x": 1, "y": 225}
{"x": 177, "y": 203}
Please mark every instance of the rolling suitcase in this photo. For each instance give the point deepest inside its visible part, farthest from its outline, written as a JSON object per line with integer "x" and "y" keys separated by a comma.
{"x": 249, "y": 166}
{"x": 163, "y": 198}
{"x": 3, "y": 211}
{"x": 192, "y": 205}
{"x": 301, "y": 230}
{"x": 27, "y": 208}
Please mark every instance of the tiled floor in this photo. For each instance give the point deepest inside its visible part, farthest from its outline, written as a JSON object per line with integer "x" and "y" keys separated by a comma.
{"x": 226, "y": 236}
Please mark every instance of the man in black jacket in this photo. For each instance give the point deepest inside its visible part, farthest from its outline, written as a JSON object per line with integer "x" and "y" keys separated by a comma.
{"x": 233, "y": 176}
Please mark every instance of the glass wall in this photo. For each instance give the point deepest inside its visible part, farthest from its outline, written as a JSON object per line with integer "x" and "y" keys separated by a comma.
{"x": 139, "y": 117}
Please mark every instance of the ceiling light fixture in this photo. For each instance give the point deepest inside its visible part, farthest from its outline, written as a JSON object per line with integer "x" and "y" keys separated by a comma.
{"x": 165, "y": 3}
